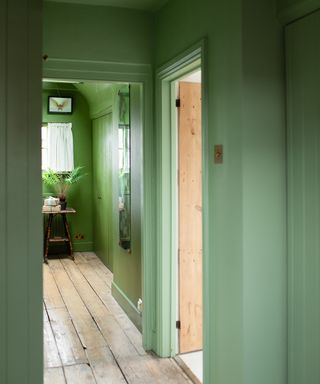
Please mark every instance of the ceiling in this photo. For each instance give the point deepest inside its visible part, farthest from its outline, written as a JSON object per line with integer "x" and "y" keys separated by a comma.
{"x": 148, "y": 5}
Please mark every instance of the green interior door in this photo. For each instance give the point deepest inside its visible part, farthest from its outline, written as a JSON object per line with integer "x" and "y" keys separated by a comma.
{"x": 102, "y": 187}
{"x": 303, "y": 95}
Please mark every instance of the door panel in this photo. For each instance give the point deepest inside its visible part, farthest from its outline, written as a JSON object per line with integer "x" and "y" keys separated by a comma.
{"x": 102, "y": 187}
{"x": 190, "y": 217}
{"x": 303, "y": 95}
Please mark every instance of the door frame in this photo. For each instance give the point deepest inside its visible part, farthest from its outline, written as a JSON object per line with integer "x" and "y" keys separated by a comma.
{"x": 166, "y": 138}
{"x": 55, "y": 68}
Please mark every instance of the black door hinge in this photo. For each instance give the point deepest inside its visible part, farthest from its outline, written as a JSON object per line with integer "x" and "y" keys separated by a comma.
{"x": 178, "y": 324}
{"x": 178, "y": 103}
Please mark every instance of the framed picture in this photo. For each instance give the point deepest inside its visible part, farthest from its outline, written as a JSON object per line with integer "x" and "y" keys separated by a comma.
{"x": 61, "y": 105}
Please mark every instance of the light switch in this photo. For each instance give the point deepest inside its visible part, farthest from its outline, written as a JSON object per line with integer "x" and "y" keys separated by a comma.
{"x": 218, "y": 154}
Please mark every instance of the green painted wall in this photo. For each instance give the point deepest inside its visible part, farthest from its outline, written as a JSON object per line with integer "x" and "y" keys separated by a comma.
{"x": 127, "y": 266}
{"x": 21, "y": 238}
{"x": 103, "y": 101}
{"x": 303, "y": 79}
{"x": 80, "y": 195}
{"x": 245, "y": 307}
{"x": 97, "y": 33}
{"x": 290, "y": 10}
{"x": 103, "y": 148}
{"x": 263, "y": 172}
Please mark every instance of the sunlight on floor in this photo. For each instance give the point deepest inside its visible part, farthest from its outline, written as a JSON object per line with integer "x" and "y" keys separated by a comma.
{"x": 194, "y": 361}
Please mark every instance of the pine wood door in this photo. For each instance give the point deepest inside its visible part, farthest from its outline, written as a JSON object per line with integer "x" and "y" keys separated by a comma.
{"x": 190, "y": 217}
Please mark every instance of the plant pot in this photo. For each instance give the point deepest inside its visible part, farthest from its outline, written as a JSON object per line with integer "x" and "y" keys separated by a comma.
{"x": 63, "y": 204}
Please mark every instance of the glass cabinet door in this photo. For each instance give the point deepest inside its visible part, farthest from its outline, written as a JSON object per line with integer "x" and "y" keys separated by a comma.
{"x": 124, "y": 149}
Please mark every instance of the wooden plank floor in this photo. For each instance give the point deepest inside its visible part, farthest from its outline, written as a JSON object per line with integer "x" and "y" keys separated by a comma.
{"x": 87, "y": 336}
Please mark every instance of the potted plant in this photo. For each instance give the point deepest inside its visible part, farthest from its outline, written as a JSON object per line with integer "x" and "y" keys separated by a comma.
{"x": 62, "y": 182}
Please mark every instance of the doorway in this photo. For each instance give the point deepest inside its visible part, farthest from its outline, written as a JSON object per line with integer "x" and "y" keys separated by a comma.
{"x": 106, "y": 137}
{"x": 189, "y": 222}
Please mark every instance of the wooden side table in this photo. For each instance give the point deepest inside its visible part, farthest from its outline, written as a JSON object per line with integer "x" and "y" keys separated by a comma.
{"x": 47, "y": 236}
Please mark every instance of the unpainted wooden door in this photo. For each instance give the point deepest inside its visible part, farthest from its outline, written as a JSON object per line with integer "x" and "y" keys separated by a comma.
{"x": 190, "y": 217}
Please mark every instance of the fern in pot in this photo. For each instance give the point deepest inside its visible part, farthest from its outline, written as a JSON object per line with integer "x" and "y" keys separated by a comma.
{"x": 62, "y": 182}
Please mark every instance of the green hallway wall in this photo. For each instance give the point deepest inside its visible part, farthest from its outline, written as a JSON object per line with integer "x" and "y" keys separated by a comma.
{"x": 21, "y": 237}
{"x": 80, "y": 196}
{"x": 303, "y": 79}
{"x": 290, "y": 10}
{"x": 125, "y": 266}
{"x": 245, "y": 310}
{"x": 97, "y": 33}
{"x": 127, "y": 284}
{"x": 264, "y": 196}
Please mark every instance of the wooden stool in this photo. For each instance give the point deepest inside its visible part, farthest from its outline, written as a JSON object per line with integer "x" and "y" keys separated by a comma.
{"x": 47, "y": 236}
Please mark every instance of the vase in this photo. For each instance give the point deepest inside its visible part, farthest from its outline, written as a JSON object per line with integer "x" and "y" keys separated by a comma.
{"x": 63, "y": 204}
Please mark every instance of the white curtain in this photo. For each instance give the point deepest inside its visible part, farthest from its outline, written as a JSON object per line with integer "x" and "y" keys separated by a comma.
{"x": 60, "y": 147}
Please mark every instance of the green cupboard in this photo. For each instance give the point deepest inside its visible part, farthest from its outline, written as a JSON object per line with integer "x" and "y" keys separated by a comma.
{"x": 102, "y": 137}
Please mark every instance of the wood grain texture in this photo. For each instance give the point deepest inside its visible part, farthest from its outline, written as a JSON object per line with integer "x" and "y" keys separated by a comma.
{"x": 74, "y": 352}
{"x": 86, "y": 327}
{"x": 51, "y": 354}
{"x": 190, "y": 217}
{"x": 51, "y": 295}
{"x": 81, "y": 373}
{"x": 69, "y": 344}
{"x": 104, "y": 366}
{"x": 54, "y": 376}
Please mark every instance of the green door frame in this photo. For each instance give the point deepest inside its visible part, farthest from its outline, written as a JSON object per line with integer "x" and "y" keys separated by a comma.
{"x": 192, "y": 59}
{"x": 129, "y": 73}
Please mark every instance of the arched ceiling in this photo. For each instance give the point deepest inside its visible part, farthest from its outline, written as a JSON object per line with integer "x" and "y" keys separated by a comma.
{"x": 147, "y": 5}
{"x": 97, "y": 94}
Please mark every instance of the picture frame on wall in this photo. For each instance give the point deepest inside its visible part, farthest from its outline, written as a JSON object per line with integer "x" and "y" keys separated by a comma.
{"x": 60, "y": 105}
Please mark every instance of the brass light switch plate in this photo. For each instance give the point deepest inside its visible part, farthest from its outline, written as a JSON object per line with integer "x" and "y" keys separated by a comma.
{"x": 218, "y": 154}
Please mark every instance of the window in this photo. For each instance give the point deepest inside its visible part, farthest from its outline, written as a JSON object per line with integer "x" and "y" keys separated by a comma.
{"x": 57, "y": 147}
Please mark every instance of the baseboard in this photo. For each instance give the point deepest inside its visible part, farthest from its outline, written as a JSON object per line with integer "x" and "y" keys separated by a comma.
{"x": 127, "y": 305}
{"x": 83, "y": 246}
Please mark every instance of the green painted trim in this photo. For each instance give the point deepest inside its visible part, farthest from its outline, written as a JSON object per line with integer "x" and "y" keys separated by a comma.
{"x": 3, "y": 195}
{"x": 127, "y": 305}
{"x": 129, "y": 73}
{"x": 21, "y": 237}
{"x": 86, "y": 246}
{"x": 95, "y": 70}
{"x": 208, "y": 348}
{"x": 191, "y": 59}
{"x": 298, "y": 10}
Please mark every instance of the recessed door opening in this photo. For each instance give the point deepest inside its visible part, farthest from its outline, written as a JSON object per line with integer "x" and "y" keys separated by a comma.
{"x": 189, "y": 223}
{"x": 86, "y": 126}
{"x": 86, "y": 162}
